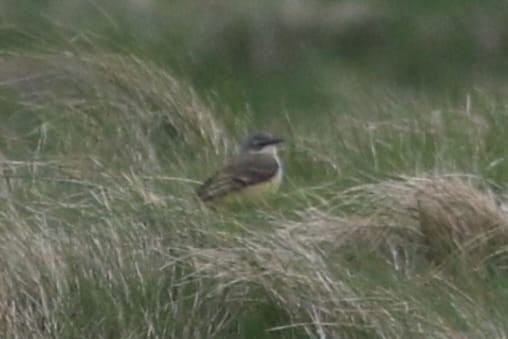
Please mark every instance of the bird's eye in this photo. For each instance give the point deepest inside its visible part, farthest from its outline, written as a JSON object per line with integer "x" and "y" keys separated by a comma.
{"x": 261, "y": 143}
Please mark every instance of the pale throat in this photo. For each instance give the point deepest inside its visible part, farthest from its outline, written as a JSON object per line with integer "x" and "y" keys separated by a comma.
{"x": 270, "y": 150}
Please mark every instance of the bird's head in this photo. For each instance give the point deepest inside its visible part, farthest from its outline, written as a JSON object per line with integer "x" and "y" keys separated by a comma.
{"x": 260, "y": 142}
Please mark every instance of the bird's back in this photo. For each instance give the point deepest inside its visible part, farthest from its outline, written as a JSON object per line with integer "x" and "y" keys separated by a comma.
{"x": 249, "y": 176}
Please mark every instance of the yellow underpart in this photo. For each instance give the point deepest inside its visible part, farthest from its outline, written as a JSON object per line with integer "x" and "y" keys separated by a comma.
{"x": 251, "y": 194}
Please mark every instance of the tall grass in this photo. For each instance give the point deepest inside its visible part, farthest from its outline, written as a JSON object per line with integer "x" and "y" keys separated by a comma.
{"x": 390, "y": 222}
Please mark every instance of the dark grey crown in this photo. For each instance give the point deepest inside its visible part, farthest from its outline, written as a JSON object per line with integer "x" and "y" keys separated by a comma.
{"x": 258, "y": 140}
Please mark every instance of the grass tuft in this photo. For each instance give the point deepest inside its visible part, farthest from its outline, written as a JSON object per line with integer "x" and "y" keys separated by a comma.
{"x": 101, "y": 234}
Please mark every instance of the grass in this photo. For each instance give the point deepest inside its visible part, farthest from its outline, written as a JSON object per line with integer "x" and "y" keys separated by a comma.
{"x": 376, "y": 232}
{"x": 391, "y": 221}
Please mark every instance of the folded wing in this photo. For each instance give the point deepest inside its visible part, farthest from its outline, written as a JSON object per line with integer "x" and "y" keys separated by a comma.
{"x": 246, "y": 170}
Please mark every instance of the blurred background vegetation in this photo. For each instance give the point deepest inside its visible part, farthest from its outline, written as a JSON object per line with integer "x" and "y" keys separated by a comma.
{"x": 277, "y": 56}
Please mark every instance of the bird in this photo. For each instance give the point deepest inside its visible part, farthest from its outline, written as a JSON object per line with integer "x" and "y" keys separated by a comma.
{"x": 252, "y": 175}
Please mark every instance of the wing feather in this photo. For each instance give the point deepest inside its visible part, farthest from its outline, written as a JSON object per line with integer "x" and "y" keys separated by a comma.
{"x": 244, "y": 171}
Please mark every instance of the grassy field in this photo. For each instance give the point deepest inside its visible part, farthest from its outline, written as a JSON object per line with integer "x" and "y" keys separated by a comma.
{"x": 392, "y": 220}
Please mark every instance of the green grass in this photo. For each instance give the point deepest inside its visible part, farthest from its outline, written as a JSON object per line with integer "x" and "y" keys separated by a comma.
{"x": 102, "y": 235}
{"x": 391, "y": 221}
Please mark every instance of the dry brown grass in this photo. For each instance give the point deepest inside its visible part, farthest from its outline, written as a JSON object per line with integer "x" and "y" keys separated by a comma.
{"x": 119, "y": 97}
{"x": 451, "y": 215}
{"x": 457, "y": 219}
{"x": 304, "y": 268}
{"x": 305, "y": 265}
